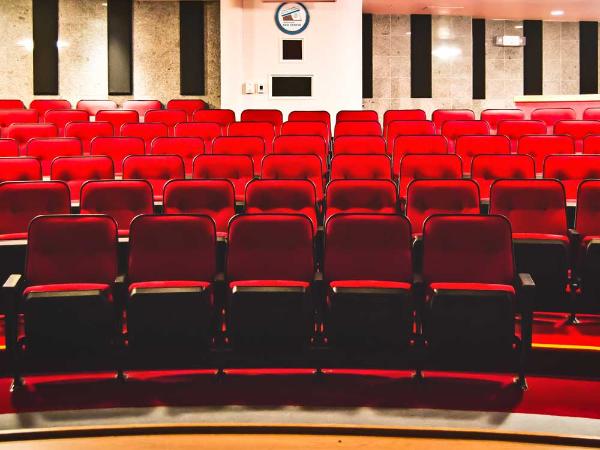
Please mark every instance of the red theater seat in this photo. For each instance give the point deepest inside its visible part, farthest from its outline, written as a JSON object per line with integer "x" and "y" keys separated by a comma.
{"x": 24, "y": 132}
{"x": 494, "y": 116}
{"x": 408, "y": 128}
{"x": 591, "y": 114}
{"x": 86, "y": 131}
{"x": 236, "y": 168}
{"x": 8, "y": 147}
{"x": 361, "y": 196}
{"x": 272, "y": 116}
{"x": 172, "y": 266}
{"x": 467, "y": 147}
{"x": 305, "y": 128}
{"x": 578, "y": 130}
{"x": 538, "y": 147}
{"x": 142, "y": 106}
{"x": 290, "y": 167}
{"x": 358, "y": 145}
{"x": 252, "y": 146}
{"x": 421, "y": 166}
{"x": 587, "y": 224}
{"x": 122, "y": 200}
{"x": 208, "y": 131}
{"x": 552, "y": 115}
{"x": 440, "y": 116}
{"x": 516, "y": 129}
{"x": 157, "y": 169}
{"x": 265, "y": 130}
{"x": 187, "y": 105}
{"x": 117, "y": 118}
{"x": 11, "y": 104}
{"x": 368, "y": 272}
{"x": 20, "y": 169}
{"x": 357, "y": 116}
{"x": 148, "y": 131}
{"x": 311, "y": 116}
{"x": 93, "y": 106}
{"x": 213, "y": 198}
{"x": 282, "y": 196}
{"x": 410, "y": 145}
{"x": 186, "y": 147}
{"x": 61, "y": 117}
{"x": 43, "y": 105}
{"x": 221, "y": 116}
{"x": 302, "y": 145}
{"x": 485, "y": 169}
{"x": 591, "y": 144}
{"x": 46, "y": 149}
{"x": 453, "y": 129}
{"x": 392, "y": 115}
{"x": 10, "y": 116}
{"x": 168, "y": 117}
{"x": 366, "y": 167}
{"x": 355, "y": 128}
{"x": 118, "y": 148}
{"x": 571, "y": 170}
{"x": 76, "y": 170}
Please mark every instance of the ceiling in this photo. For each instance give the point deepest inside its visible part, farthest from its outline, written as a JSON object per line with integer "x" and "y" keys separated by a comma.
{"x": 574, "y": 10}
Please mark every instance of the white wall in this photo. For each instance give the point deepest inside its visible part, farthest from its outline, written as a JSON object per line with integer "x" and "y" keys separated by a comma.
{"x": 250, "y": 47}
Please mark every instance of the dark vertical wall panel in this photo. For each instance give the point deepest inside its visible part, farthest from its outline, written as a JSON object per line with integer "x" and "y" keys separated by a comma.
{"x": 533, "y": 58}
{"x": 45, "y": 51}
{"x": 367, "y": 55}
{"x": 478, "y": 58}
{"x": 191, "y": 48}
{"x": 588, "y": 57}
{"x": 420, "y": 56}
{"x": 120, "y": 53}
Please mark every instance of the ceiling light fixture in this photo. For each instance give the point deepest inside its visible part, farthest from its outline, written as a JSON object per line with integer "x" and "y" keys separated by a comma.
{"x": 557, "y": 12}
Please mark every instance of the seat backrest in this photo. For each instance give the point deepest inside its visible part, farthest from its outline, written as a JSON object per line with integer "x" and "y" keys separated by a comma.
{"x": 358, "y": 145}
{"x": 468, "y": 249}
{"x": 23, "y": 132}
{"x": 86, "y": 131}
{"x": 21, "y": 201}
{"x": 118, "y": 148}
{"x": 117, "y": 118}
{"x": 93, "y": 106}
{"x": 440, "y": 116}
{"x": 223, "y": 117}
{"x": 6, "y": 103}
{"x": 61, "y": 117}
{"x": 188, "y": 105}
{"x": 426, "y": 198}
{"x": 368, "y": 247}
{"x": 578, "y": 130}
{"x": 186, "y": 147}
{"x": 71, "y": 249}
{"x": 252, "y": 146}
{"x": 494, "y": 116}
{"x": 142, "y": 106}
{"x": 485, "y": 169}
{"x": 372, "y": 196}
{"x": 591, "y": 114}
{"x": 467, "y": 147}
{"x": 362, "y": 115}
{"x": 571, "y": 170}
{"x": 20, "y": 169}
{"x": 168, "y": 117}
{"x": 305, "y": 128}
{"x": 172, "y": 248}
{"x": 146, "y": 131}
{"x": 302, "y": 145}
{"x": 420, "y": 166}
{"x": 270, "y": 247}
{"x": 208, "y": 131}
{"x": 552, "y": 115}
{"x": 364, "y": 167}
{"x": 263, "y": 196}
{"x": 587, "y": 218}
{"x": 453, "y": 129}
{"x": 265, "y": 130}
{"x": 591, "y": 144}
{"x": 82, "y": 168}
{"x": 531, "y": 206}
{"x": 320, "y": 116}
{"x": 230, "y": 167}
{"x": 123, "y": 200}
{"x": 272, "y": 116}
{"x": 10, "y": 116}
{"x": 392, "y": 115}
{"x": 408, "y": 128}
{"x": 153, "y": 167}
{"x": 515, "y": 129}
{"x": 356, "y": 128}
{"x": 42, "y": 105}
{"x": 409, "y": 144}
{"x": 8, "y": 148}
{"x": 290, "y": 167}
{"x": 538, "y": 147}
{"x": 46, "y": 149}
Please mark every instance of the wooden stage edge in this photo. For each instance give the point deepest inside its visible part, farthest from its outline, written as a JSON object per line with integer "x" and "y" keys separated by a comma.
{"x": 40, "y": 434}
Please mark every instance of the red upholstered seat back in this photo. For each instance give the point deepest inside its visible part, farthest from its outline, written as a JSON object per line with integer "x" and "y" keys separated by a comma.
{"x": 46, "y": 149}
{"x": 302, "y": 145}
{"x": 75, "y": 170}
{"x": 187, "y": 105}
{"x": 578, "y": 130}
{"x": 208, "y": 131}
{"x": 552, "y": 115}
{"x": 11, "y": 104}
{"x": 147, "y": 131}
{"x": 416, "y": 167}
{"x": 157, "y": 169}
{"x": 408, "y": 144}
{"x": 591, "y": 144}
{"x": 86, "y": 131}
{"x": 571, "y": 170}
{"x": 453, "y": 129}
{"x": 252, "y": 146}
{"x": 357, "y": 128}
{"x": 186, "y": 147}
{"x": 440, "y": 116}
{"x": 290, "y": 167}
{"x": 364, "y": 167}
{"x": 392, "y": 115}
{"x": 587, "y": 220}
{"x": 360, "y": 145}
{"x": 61, "y": 117}
{"x": 117, "y": 118}
{"x": 538, "y": 147}
{"x": 168, "y": 117}
{"x": 408, "y": 128}
{"x": 10, "y": 116}
{"x": 264, "y": 130}
{"x": 320, "y": 116}
{"x": 485, "y": 169}
{"x": 93, "y": 106}
{"x": 362, "y": 115}
{"x": 469, "y": 146}
{"x": 272, "y": 116}
{"x": 142, "y": 106}
{"x": 368, "y": 196}
{"x": 305, "y": 128}
{"x": 20, "y": 169}
{"x": 117, "y": 148}
{"x": 223, "y": 166}
{"x": 45, "y": 104}
{"x": 24, "y": 132}
{"x": 515, "y": 129}
{"x": 8, "y": 148}
{"x": 223, "y": 117}
{"x": 494, "y": 116}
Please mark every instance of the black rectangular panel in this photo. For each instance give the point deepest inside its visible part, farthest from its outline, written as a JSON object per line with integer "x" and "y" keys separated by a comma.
{"x": 282, "y": 86}
{"x": 420, "y": 56}
{"x": 533, "y": 58}
{"x": 120, "y": 53}
{"x": 291, "y": 50}
{"x": 367, "y": 55}
{"x": 588, "y": 57}
{"x": 478, "y": 59}
{"x": 45, "y": 51}
{"x": 191, "y": 48}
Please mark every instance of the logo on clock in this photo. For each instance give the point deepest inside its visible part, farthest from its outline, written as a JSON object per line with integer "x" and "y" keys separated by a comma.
{"x": 292, "y": 18}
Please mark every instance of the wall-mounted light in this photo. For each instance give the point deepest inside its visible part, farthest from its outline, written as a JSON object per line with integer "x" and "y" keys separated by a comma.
{"x": 557, "y": 12}
{"x": 62, "y": 44}
{"x": 27, "y": 44}
{"x": 446, "y": 52}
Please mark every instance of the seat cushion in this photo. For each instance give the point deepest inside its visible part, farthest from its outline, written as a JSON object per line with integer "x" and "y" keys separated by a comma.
{"x": 169, "y": 284}
{"x": 370, "y": 284}
{"x": 482, "y": 287}
{"x": 540, "y": 237}
{"x": 66, "y": 287}
{"x": 269, "y": 283}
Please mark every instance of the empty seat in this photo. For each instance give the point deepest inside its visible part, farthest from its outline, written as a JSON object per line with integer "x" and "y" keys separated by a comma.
{"x": 208, "y": 131}
{"x": 265, "y": 130}
{"x": 282, "y": 196}
{"x": 186, "y": 147}
{"x": 8, "y": 147}
{"x": 93, "y": 106}
{"x": 20, "y": 169}
{"x": 591, "y": 114}
{"x": 467, "y": 147}
{"x": 76, "y": 170}
{"x": 11, "y": 104}
{"x": 172, "y": 266}
{"x": 516, "y": 129}
{"x": 366, "y": 167}
{"x": 298, "y": 128}
{"x": 61, "y": 117}
{"x": 147, "y": 131}
{"x": 408, "y": 128}
{"x": 440, "y": 116}
{"x": 122, "y": 200}
{"x": 311, "y": 116}
{"x": 485, "y": 169}
{"x": 86, "y": 131}
{"x": 407, "y": 145}
{"x": 24, "y": 132}
{"x": 213, "y": 198}
{"x": 157, "y": 169}
{"x": 221, "y": 116}
{"x": 421, "y": 166}
{"x": 302, "y": 145}
{"x": 591, "y": 144}
{"x": 538, "y": 147}
{"x": 587, "y": 224}
{"x": 270, "y": 268}
{"x": 43, "y": 105}
{"x": 118, "y": 148}
{"x": 188, "y": 105}
{"x": 46, "y": 149}
{"x": 290, "y": 167}
{"x": 494, "y": 116}
{"x": 453, "y": 129}
{"x": 361, "y": 196}
{"x": 117, "y": 118}
{"x": 168, "y": 117}
{"x": 358, "y": 145}
{"x": 252, "y": 146}
{"x": 10, "y": 116}
{"x": 578, "y": 130}
{"x": 571, "y": 170}
{"x": 357, "y": 129}
{"x": 552, "y": 115}
{"x": 142, "y": 106}
{"x": 536, "y": 210}
{"x": 272, "y": 116}
{"x": 236, "y": 168}
{"x": 368, "y": 272}
{"x": 362, "y": 115}
{"x": 392, "y": 115}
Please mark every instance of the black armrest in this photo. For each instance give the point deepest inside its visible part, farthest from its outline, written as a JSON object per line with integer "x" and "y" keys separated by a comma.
{"x": 526, "y": 297}
{"x": 526, "y": 281}
{"x": 574, "y": 236}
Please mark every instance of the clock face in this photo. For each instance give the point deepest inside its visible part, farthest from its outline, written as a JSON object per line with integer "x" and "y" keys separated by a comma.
{"x": 292, "y": 18}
